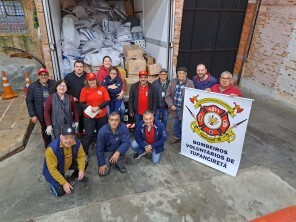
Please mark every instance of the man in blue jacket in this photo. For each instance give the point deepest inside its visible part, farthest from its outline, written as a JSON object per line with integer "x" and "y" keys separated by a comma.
{"x": 37, "y": 94}
{"x": 61, "y": 155}
{"x": 150, "y": 136}
{"x": 113, "y": 142}
{"x": 203, "y": 78}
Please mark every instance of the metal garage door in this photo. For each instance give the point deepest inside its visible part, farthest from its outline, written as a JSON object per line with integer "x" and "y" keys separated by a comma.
{"x": 210, "y": 34}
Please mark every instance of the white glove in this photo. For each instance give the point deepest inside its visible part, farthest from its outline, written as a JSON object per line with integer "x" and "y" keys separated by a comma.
{"x": 48, "y": 130}
{"x": 76, "y": 125}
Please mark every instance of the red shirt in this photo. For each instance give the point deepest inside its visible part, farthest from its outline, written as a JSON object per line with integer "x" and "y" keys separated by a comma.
{"x": 143, "y": 99}
{"x": 149, "y": 135}
{"x": 232, "y": 89}
{"x": 94, "y": 97}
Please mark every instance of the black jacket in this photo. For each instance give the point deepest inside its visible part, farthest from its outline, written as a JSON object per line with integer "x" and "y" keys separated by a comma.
{"x": 75, "y": 84}
{"x": 34, "y": 98}
{"x": 161, "y": 91}
{"x": 133, "y": 98}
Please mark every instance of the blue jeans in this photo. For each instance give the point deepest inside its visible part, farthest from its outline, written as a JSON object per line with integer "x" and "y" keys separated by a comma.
{"x": 177, "y": 124}
{"x": 122, "y": 110}
{"x": 137, "y": 119}
{"x": 156, "y": 157}
{"x": 162, "y": 115}
{"x": 114, "y": 105}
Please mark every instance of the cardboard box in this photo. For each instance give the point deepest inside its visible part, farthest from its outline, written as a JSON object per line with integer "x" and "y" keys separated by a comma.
{"x": 133, "y": 66}
{"x": 149, "y": 59}
{"x": 128, "y": 82}
{"x": 132, "y": 52}
{"x": 154, "y": 69}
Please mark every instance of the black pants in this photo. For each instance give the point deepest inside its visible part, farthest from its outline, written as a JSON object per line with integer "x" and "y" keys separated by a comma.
{"x": 80, "y": 115}
{"x": 107, "y": 156}
{"x": 59, "y": 190}
{"x": 90, "y": 125}
{"x": 46, "y": 138}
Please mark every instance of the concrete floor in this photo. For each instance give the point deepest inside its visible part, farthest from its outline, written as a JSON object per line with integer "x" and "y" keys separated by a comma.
{"x": 178, "y": 189}
{"x": 14, "y": 125}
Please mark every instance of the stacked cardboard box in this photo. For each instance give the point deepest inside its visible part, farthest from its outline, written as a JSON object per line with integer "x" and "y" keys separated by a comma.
{"x": 135, "y": 61}
{"x": 154, "y": 69}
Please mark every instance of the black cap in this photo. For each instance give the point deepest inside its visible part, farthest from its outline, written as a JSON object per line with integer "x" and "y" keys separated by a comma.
{"x": 182, "y": 69}
{"x": 67, "y": 130}
{"x": 163, "y": 70}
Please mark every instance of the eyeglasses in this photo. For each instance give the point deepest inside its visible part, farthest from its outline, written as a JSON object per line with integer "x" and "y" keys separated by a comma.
{"x": 114, "y": 73}
{"x": 114, "y": 120}
{"x": 62, "y": 86}
{"x": 43, "y": 75}
{"x": 225, "y": 78}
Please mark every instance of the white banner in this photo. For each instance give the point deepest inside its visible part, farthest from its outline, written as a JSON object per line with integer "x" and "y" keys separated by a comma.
{"x": 213, "y": 129}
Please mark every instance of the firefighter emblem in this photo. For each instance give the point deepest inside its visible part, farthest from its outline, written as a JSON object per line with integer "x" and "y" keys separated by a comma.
{"x": 212, "y": 122}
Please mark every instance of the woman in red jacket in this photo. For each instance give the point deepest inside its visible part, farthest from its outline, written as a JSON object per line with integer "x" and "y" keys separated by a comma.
{"x": 93, "y": 98}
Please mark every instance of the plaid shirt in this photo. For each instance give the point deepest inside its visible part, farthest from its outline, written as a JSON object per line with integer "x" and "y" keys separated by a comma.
{"x": 178, "y": 94}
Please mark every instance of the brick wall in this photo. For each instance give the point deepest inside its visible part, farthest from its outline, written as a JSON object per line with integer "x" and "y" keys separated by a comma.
{"x": 177, "y": 29}
{"x": 270, "y": 67}
{"x": 43, "y": 39}
{"x": 247, "y": 29}
{"x": 27, "y": 41}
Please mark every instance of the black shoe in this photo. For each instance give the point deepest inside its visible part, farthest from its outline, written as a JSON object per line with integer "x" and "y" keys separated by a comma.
{"x": 175, "y": 140}
{"x": 138, "y": 155}
{"x": 74, "y": 177}
{"x": 84, "y": 179}
{"x": 121, "y": 169}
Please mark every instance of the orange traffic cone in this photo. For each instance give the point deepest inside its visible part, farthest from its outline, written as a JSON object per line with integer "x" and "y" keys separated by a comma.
{"x": 28, "y": 82}
{"x": 7, "y": 91}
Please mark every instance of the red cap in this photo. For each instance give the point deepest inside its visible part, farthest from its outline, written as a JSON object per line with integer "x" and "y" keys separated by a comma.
{"x": 42, "y": 70}
{"x": 91, "y": 75}
{"x": 143, "y": 73}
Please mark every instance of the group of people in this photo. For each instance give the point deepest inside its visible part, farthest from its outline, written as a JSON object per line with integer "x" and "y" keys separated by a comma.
{"x": 83, "y": 104}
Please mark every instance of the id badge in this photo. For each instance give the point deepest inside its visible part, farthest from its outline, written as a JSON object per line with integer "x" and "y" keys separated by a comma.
{"x": 163, "y": 94}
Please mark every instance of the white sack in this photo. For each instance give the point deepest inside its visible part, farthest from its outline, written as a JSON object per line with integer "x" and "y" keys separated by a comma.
{"x": 69, "y": 31}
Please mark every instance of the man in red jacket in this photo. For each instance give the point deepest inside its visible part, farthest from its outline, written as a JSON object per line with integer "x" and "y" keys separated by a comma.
{"x": 225, "y": 86}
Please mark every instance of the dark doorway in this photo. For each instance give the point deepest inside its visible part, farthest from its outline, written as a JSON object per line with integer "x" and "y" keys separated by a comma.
{"x": 210, "y": 34}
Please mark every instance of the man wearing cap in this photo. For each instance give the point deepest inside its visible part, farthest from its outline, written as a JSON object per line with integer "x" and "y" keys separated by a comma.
{"x": 37, "y": 94}
{"x": 161, "y": 85}
{"x": 61, "y": 155}
{"x": 175, "y": 98}
{"x": 142, "y": 97}
{"x": 75, "y": 81}
{"x": 203, "y": 78}
{"x": 113, "y": 142}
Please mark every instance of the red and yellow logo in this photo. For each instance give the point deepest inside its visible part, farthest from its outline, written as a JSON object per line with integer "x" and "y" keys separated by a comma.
{"x": 212, "y": 121}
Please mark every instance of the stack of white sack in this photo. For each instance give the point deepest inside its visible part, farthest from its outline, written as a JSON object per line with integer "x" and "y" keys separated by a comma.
{"x": 94, "y": 29}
